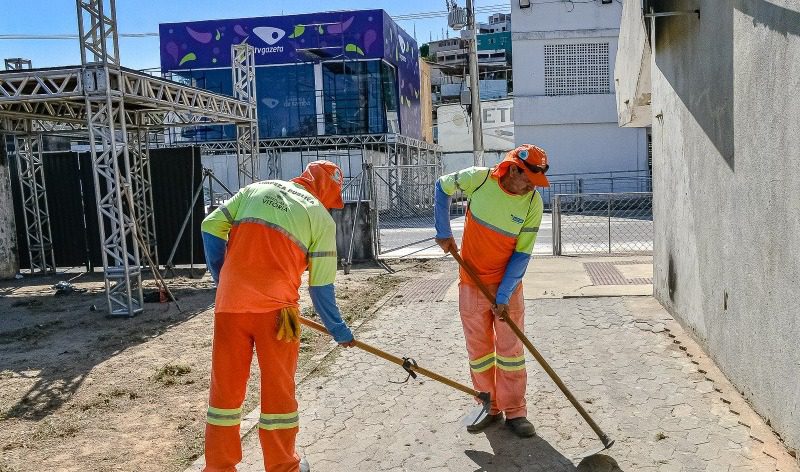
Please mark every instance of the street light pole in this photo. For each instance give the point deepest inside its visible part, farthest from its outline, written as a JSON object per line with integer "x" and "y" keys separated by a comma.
{"x": 477, "y": 128}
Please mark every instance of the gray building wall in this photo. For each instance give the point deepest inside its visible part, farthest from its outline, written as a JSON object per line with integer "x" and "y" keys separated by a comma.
{"x": 726, "y": 176}
{"x": 8, "y": 240}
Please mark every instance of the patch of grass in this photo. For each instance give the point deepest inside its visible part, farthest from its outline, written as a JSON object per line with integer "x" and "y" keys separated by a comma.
{"x": 191, "y": 447}
{"x": 52, "y": 430}
{"x": 169, "y": 374}
{"x": 308, "y": 339}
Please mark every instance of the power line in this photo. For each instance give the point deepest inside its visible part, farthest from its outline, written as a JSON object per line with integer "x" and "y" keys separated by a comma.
{"x": 406, "y": 17}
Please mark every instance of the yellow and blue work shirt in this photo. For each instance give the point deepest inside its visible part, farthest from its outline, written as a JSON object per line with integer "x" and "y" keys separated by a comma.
{"x": 500, "y": 228}
{"x": 259, "y": 243}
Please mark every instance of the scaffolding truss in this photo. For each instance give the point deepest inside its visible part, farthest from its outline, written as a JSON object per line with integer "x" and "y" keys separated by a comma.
{"x": 243, "y": 61}
{"x": 34, "y": 201}
{"x": 116, "y": 107}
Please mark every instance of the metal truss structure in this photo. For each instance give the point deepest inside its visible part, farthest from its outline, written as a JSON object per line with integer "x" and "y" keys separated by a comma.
{"x": 373, "y": 149}
{"x": 243, "y": 62}
{"x": 18, "y": 63}
{"x": 139, "y": 148}
{"x": 36, "y": 216}
{"x": 116, "y": 107}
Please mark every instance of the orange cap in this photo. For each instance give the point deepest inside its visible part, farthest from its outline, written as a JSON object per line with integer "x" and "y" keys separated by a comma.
{"x": 532, "y": 160}
{"x": 324, "y": 180}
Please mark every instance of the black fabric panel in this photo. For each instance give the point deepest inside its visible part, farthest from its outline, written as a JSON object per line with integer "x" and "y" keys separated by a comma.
{"x": 175, "y": 174}
{"x": 90, "y": 209}
{"x": 65, "y": 205}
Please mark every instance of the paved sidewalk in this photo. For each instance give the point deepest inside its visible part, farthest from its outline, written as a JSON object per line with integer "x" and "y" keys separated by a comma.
{"x": 646, "y": 383}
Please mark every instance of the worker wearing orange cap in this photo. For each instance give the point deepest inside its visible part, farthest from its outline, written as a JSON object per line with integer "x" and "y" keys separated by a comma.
{"x": 502, "y": 221}
{"x": 257, "y": 246}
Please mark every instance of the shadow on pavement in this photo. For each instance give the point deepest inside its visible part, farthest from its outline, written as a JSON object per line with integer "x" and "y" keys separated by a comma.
{"x": 511, "y": 454}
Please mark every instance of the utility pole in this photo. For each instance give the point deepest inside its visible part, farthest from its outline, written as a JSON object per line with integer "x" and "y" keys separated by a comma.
{"x": 475, "y": 98}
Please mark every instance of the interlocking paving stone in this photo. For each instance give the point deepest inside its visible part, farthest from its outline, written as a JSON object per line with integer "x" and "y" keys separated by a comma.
{"x": 605, "y": 273}
{"x": 647, "y": 395}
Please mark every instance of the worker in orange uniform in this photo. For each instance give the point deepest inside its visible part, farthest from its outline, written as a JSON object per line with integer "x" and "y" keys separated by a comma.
{"x": 503, "y": 215}
{"x": 257, "y": 246}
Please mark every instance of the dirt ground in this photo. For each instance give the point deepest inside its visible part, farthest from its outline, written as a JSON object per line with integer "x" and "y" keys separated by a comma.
{"x": 83, "y": 392}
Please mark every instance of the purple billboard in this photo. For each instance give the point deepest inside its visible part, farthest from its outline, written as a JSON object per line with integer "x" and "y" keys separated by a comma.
{"x": 298, "y": 39}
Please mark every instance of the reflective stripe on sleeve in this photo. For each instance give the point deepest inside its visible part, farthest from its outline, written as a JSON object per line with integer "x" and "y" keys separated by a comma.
{"x": 226, "y": 213}
{"x": 322, "y": 254}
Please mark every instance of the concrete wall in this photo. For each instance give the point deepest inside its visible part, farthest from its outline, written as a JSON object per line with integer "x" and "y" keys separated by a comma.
{"x": 8, "y": 230}
{"x": 579, "y": 132}
{"x": 726, "y": 173}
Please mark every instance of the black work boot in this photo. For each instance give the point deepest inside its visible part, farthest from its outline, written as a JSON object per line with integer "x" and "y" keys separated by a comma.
{"x": 521, "y": 427}
{"x": 484, "y": 423}
{"x": 304, "y": 467}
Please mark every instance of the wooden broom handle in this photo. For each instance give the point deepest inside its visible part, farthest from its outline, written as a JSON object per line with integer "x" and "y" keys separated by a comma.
{"x": 528, "y": 344}
{"x": 397, "y": 360}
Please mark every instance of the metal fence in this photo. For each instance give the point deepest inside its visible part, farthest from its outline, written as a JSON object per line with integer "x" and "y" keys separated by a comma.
{"x": 610, "y": 182}
{"x": 602, "y": 223}
{"x": 402, "y": 196}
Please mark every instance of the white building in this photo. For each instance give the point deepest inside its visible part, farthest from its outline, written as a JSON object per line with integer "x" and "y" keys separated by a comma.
{"x": 498, "y": 22}
{"x": 564, "y": 55}
{"x": 454, "y": 133}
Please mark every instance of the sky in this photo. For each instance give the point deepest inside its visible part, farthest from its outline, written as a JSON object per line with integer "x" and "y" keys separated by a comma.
{"x": 58, "y": 17}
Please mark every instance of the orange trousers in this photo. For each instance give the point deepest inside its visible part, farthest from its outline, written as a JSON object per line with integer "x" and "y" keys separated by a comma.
{"x": 235, "y": 336}
{"x": 496, "y": 355}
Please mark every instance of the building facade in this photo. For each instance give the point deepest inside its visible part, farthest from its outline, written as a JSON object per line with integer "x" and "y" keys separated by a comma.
{"x": 726, "y": 181}
{"x": 454, "y": 133}
{"x": 320, "y": 74}
{"x": 563, "y": 55}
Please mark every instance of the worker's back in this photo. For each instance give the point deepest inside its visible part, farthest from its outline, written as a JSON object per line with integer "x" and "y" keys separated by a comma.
{"x": 275, "y": 227}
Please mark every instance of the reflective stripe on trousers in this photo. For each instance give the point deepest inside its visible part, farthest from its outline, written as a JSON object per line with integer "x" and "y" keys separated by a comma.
{"x": 497, "y": 360}
{"x": 235, "y": 337}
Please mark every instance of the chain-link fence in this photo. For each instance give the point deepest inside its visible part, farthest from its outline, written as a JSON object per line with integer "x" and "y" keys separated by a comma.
{"x": 590, "y": 183}
{"x": 602, "y": 223}
{"x": 403, "y": 200}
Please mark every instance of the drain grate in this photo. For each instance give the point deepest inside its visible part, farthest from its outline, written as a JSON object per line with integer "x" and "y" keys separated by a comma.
{"x": 422, "y": 291}
{"x": 605, "y": 273}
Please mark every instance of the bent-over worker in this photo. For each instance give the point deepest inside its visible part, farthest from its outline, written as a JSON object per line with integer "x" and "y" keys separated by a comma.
{"x": 257, "y": 246}
{"x": 503, "y": 215}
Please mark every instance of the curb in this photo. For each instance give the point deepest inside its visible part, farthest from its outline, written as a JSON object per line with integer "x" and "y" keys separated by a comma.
{"x": 250, "y": 421}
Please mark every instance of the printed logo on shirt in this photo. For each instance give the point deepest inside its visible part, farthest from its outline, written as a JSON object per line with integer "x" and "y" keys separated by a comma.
{"x": 275, "y": 203}
{"x": 517, "y": 219}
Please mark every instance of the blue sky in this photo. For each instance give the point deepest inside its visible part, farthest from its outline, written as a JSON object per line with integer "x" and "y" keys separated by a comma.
{"x": 36, "y": 17}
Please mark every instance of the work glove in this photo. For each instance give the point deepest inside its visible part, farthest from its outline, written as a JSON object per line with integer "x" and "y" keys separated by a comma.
{"x": 289, "y": 324}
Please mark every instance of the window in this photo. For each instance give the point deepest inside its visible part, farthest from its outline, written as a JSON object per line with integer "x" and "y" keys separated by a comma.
{"x": 286, "y": 101}
{"x": 358, "y": 96}
{"x": 573, "y": 69}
